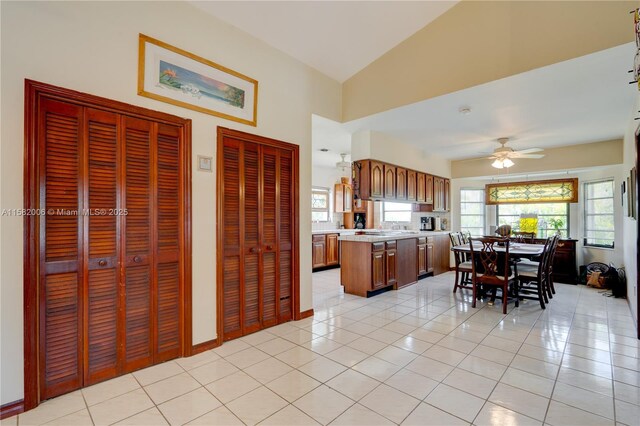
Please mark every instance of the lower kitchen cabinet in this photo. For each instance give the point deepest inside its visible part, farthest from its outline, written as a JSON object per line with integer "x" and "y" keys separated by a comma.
{"x": 378, "y": 278}
{"x": 391, "y": 263}
{"x": 325, "y": 249}
{"x": 441, "y": 253}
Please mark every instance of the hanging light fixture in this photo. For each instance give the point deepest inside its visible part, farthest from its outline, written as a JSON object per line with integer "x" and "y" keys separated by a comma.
{"x": 343, "y": 164}
{"x": 502, "y": 163}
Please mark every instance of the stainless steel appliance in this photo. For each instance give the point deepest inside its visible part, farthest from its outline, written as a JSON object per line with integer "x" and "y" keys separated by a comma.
{"x": 427, "y": 223}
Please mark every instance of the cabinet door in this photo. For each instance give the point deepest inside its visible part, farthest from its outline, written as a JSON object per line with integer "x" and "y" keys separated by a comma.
{"x": 411, "y": 185}
{"x": 377, "y": 269}
{"x": 401, "y": 183}
{"x": 447, "y": 195}
{"x": 421, "y": 180}
{"x": 438, "y": 196}
{"x": 377, "y": 180}
{"x": 332, "y": 249}
{"x": 391, "y": 264}
{"x": 319, "y": 251}
{"x": 347, "y": 198}
{"x": 430, "y": 258}
{"x": 389, "y": 182}
{"x": 422, "y": 259}
{"x": 429, "y": 187}
{"x": 338, "y": 198}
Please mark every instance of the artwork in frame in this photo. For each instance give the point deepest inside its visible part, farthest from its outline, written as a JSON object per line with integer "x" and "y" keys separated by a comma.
{"x": 169, "y": 74}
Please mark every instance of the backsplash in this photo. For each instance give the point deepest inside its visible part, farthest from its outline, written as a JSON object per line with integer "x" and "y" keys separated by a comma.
{"x": 415, "y": 221}
{"x": 335, "y": 223}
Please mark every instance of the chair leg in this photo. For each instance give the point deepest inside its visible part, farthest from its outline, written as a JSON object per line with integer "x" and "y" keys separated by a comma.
{"x": 474, "y": 287}
{"x": 542, "y": 294}
{"x": 516, "y": 293}
{"x": 504, "y": 300}
{"x": 455, "y": 283}
{"x": 551, "y": 287}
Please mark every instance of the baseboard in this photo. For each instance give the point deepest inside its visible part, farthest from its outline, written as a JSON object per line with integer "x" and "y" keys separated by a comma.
{"x": 11, "y": 409}
{"x": 306, "y": 314}
{"x": 204, "y": 346}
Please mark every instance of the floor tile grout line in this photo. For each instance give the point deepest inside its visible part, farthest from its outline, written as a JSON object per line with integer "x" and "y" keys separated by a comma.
{"x": 152, "y": 401}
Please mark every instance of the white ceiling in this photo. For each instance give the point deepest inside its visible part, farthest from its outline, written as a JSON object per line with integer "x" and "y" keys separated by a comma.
{"x": 582, "y": 100}
{"x": 338, "y": 38}
{"x": 330, "y": 135}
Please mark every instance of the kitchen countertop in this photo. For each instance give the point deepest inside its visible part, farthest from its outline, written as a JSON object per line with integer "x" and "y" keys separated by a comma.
{"x": 375, "y": 236}
{"x": 335, "y": 231}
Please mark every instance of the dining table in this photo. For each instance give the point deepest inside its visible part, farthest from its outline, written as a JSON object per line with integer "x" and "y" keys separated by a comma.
{"x": 518, "y": 250}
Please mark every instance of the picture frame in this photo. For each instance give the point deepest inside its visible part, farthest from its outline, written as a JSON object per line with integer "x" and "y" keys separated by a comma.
{"x": 629, "y": 210}
{"x": 172, "y": 75}
{"x": 205, "y": 164}
{"x": 633, "y": 193}
{"x": 623, "y": 192}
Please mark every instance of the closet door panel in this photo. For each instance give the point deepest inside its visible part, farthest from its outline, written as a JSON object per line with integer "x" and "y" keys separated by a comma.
{"x": 285, "y": 235}
{"x": 137, "y": 244}
{"x": 251, "y": 214}
{"x": 168, "y": 221}
{"x": 232, "y": 275}
{"x": 269, "y": 236}
{"x": 101, "y": 343}
{"x": 61, "y": 293}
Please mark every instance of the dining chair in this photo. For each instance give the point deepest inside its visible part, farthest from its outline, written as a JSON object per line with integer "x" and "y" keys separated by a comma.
{"x": 532, "y": 277}
{"x": 491, "y": 268}
{"x": 551, "y": 290}
{"x": 463, "y": 265}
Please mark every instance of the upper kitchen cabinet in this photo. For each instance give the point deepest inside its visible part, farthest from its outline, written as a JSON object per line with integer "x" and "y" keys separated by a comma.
{"x": 401, "y": 184}
{"x": 376, "y": 180}
{"x": 412, "y": 189}
{"x": 420, "y": 187}
{"x": 428, "y": 189}
{"x": 343, "y": 198}
{"x": 389, "y": 182}
{"x": 441, "y": 194}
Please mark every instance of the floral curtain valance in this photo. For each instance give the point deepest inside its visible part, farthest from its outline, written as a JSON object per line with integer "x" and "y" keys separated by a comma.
{"x": 540, "y": 191}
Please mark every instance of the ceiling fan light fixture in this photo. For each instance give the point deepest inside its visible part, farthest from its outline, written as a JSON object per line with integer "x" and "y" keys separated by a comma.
{"x": 507, "y": 163}
{"x": 498, "y": 164}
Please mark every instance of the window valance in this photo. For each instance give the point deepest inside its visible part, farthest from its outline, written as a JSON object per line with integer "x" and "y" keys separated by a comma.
{"x": 540, "y": 191}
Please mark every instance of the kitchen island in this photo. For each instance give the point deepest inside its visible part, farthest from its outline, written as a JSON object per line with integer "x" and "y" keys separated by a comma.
{"x": 390, "y": 259}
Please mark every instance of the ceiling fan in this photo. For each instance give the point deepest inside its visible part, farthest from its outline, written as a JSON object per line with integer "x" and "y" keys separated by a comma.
{"x": 503, "y": 155}
{"x": 343, "y": 164}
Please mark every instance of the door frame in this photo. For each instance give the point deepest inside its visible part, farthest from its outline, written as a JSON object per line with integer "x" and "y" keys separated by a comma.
{"x": 222, "y": 133}
{"x": 34, "y": 92}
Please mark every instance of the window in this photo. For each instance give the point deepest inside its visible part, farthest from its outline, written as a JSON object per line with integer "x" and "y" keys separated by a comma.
{"x": 598, "y": 214}
{"x": 472, "y": 211}
{"x": 537, "y": 217}
{"x": 320, "y": 205}
{"x": 396, "y": 212}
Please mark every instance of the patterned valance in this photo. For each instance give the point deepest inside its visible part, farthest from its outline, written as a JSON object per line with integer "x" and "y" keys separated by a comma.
{"x": 540, "y": 191}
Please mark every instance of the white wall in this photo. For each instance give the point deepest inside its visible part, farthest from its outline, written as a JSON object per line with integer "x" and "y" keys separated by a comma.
{"x": 93, "y": 47}
{"x": 630, "y": 226}
{"x": 585, "y": 255}
{"x": 327, "y": 177}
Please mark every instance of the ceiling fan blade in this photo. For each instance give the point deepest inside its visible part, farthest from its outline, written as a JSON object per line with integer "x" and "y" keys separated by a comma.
{"x": 529, "y": 151}
{"x": 533, "y": 156}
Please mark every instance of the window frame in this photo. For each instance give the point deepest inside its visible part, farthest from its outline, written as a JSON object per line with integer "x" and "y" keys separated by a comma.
{"x": 327, "y": 210}
{"x": 585, "y": 214}
{"x": 384, "y": 212}
{"x": 484, "y": 209}
{"x": 567, "y": 215}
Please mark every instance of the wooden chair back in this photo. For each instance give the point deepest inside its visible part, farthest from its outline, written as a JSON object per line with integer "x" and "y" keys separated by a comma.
{"x": 489, "y": 266}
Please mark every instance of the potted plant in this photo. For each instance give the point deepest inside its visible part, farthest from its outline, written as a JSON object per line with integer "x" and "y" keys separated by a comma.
{"x": 557, "y": 224}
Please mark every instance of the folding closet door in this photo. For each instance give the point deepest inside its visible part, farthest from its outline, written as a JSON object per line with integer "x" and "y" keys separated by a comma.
{"x": 269, "y": 244}
{"x": 110, "y": 245}
{"x": 285, "y": 235}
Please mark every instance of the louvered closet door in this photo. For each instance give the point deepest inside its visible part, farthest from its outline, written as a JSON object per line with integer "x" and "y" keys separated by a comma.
{"x": 269, "y": 251}
{"x": 285, "y": 235}
{"x": 251, "y": 241}
{"x": 168, "y": 220}
{"x": 137, "y": 271}
{"x": 101, "y": 248}
{"x": 61, "y": 232}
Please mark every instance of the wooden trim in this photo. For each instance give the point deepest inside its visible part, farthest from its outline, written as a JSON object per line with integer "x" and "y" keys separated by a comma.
{"x": 306, "y": 314}
{"x": 637, "y": 154}
{"x": 204, "y": 346}
{"x": 488, "y": 186}
{"x": 141, "y": 68}
{"x": 223, "y": 133}
{"x": 34, "y": 92}
{"x": 11, "y": 409}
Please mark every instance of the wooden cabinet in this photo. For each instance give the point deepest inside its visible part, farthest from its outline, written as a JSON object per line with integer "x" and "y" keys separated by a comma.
{"x": 565, "y": 261}
{"x": 319, "y": 251}
{"x": 428, "y": 191}
{"x": 421, "y": 179}
{"x": 391, "y": 263}
{"x": 412, "y": 189}
{"x": 325, "y": 250}
{"x": 401, "y": 184}
{"x": 425, "y": 257}
{"x": 389, "y": 182}
{"x": 376, "y": 180}
{"x": 332, "y": 249}
{"x": 441, "y": 194}
{"x": 109, "y": 277}
{"x": 441, "y": 253}
{"x": 378, "y": 277}
{"x": 430, "y": 257}
{"x": 343, "y": 198}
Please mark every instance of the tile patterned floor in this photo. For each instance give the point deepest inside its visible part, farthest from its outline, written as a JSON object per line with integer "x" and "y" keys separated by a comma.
{"x": 418, "y": 356}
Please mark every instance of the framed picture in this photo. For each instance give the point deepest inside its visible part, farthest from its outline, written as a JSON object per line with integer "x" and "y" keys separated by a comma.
{"x": 629, "y": 210}
{"x": 623, "y": 192}
{"x": 169, "y": 74}
{"x": 205, "y": 163}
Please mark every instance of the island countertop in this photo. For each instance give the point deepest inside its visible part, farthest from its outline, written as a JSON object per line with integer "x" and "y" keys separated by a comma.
{"x": 382, "y": 235}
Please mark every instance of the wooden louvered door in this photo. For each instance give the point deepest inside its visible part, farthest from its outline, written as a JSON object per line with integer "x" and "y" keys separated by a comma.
{"x": 111, "y": 246}
{"x": 256, "y": 238}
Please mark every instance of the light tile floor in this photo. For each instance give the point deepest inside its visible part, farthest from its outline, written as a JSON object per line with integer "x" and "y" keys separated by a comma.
{"x": 418, "y": 356}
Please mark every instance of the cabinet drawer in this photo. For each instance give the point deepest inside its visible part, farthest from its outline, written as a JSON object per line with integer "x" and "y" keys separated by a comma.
{"x": 429, "y": 240}
{"x": 391, "y": 245}
{"x": 377, "y": 246}
{"x": 422, "y": 240}
{"x": 318, "y": 238}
